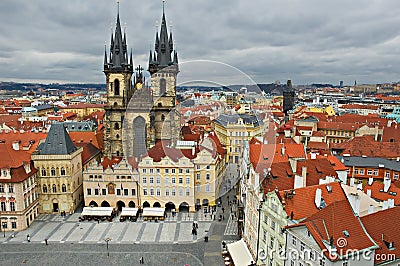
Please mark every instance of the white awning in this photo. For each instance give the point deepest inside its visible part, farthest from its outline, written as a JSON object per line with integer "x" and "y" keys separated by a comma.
{"x": 239, "y": 252}
{"x": 153, "y": 212}
{"x": 129, "y": 211}
{"x": 97, "y": 211}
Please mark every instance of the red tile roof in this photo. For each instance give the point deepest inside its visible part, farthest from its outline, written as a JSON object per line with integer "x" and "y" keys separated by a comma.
{"x": 366, "y": 145}
{"x": 107, "y": 162}
{"x": 378, "y": 193}
{"x": 382, "y": 228}
{"x": 330, "y": 224}
{"x": 302, "y": 204}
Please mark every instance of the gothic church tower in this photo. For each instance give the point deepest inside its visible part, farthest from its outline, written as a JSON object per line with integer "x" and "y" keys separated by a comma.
{"x": 163, "y": 67}
{"x": 118, "y": 70}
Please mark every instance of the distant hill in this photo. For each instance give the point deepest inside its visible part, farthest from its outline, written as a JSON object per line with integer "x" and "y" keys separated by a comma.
{"x": 14, "y": 86}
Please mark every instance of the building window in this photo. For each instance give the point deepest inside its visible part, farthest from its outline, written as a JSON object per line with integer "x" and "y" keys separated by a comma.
{"x": 144, "y": 179}
{"x": 10, "y": 188}
{"x": 173, "y": 180}
{"x": 187, "y": 171}
{"x": 43, "y": 172}
{"x": 116, "y": 126}
{"x": 266, "y": 219}
{"x": 166, "y": 171}
{"x": 3, "y": 206}
{"x": 396, "y": 176}
{"x": 96, "y": 191}
{"x": 166, "y": 180}
{"x": 53, "y": 172}
{"x": 294, "y": 241}
{"x": 62, "y": 171}
{"x": 180, "y": 180}
{"x": 173, "y": 192}
{"x": 157, "y": 171}
{"x": 145, "y": 192}
{"x": 158, "y": 180}
{"x": 173, "y": 170}
{"x": 126, "y": 192}
{"x": 197, "y": 176}
{"x": 44, "y": 189}
{"x": 167, "y": 192}
{"x": 103, "y": 191}
{"x": 118, "y": 192}
{"x": 271, "y": 243}
{"x": 208, "y": 167}
{"x": 369, "y": 172}
{"x": 362, "y": 172}
{"x": 13, "y": 225}
{"x": 151, "y": 191}
{"x": 163, "y": 86}
{"x": 54, "y": 188}
{"x": 12, "y": 206}
{"x": 207, "y": 176}
{"x": 264, "y": 236}
{"x": 207, "y": 188}
{"x": 387, "y": 174}
{"x": 180, "y": 171}
{"x": 89, "y": 191}
{"x": 197, "y": 167}
{"x": 151, "y": 180}
{"x": 180, "y": 192}
{"x": 116, "y": 87}
{"x": 188, "y": 192}
{"x": 133, "y": 191}
{"x": 273, "y": 224}
{"x": 187, "y": 180}
{"x": 64, "y": 188}
{"x": 158, "y": 192}
{"x": 274, "y": 207}
{"x": 302, "y": 246}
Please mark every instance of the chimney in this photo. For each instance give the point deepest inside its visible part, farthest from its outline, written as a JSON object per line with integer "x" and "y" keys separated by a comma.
{"x": 390, "y": 203}
{"x": 15, "y": 145}
{"x": 193, "y": 150}
{"x": 370, "y": 181}
{"x": 369, "y": 192}
{"x": 386, "y": 184}
{"x": 298, "y": 181}
{"x": 313, "y": 156}
{"x": 352, "y": 180}
{"x": 293, "y": 164}
{"x": 385, "y": 205}
{"x": 357, "y": 205}
{"x": 371, "y": 209}
{"x": 304, "y": 175}
{"x": 318, "y": 198}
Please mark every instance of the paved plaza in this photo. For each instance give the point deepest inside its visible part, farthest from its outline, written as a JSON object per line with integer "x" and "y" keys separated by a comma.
{"x": 168, "y": 242}
{"x": 58, "y": 229}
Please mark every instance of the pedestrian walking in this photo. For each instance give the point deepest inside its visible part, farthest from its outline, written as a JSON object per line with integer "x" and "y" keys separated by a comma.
{"x": 141, "y": 261}
{"x": 28, "y": 238}
{"x": 197, "y": 225}
{"x": 223, "y": 210}
{"x": 45, "y": 241}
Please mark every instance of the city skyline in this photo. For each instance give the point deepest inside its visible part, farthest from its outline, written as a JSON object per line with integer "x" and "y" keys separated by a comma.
{"x": 309, "y": 42}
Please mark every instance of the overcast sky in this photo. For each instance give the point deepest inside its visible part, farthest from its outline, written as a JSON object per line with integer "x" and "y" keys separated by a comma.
{"x": 308, "y": 41}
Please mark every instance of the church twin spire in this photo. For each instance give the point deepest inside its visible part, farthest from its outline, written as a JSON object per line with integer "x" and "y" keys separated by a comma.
{"x": 163, "y": 49}
{"x": 118, "y": 51}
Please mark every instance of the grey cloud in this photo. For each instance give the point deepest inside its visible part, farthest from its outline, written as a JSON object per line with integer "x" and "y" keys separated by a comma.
{"x": 307, "y": 41}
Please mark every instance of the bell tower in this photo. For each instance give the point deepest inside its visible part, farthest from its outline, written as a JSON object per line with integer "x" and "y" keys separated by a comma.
{"x": 118, "y": 69}
{"x": 163, "y": 67}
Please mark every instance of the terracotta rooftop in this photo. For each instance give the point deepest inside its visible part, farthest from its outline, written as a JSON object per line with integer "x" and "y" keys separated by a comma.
{"x": 379, "y": 194}
{"x": 302, "y": 205}
{"x": 334, "y": 222}
{"x": 384, "y": 231}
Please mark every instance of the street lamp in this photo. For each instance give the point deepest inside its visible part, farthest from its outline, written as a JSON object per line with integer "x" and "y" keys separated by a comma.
{"x": 107, "y": 240}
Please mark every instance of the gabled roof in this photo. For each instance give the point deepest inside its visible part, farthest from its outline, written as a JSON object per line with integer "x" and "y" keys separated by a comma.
{"x": 331, "y": 223}
{"x": 382, "y": 228}
{"x": 366, "y": 145}
{"x": 57, "y": 142}
{"x": 379, "y": 194}
{"x": 372, "y": 162}
{"x": 302, "y": 204}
